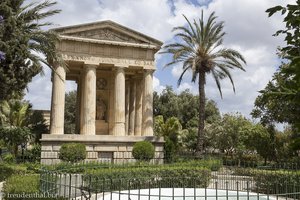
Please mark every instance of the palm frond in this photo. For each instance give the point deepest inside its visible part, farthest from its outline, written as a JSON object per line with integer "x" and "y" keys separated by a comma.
{"x": 217, "y": 80}
{"x": 181, "y": 76}
{"x": 223, "y": 68}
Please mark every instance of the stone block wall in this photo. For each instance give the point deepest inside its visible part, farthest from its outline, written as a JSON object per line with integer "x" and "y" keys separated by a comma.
{"x": 113, "y": 149}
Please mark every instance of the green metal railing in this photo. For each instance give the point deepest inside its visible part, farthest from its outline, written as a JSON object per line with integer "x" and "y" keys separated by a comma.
{"x": 229, "y": 182}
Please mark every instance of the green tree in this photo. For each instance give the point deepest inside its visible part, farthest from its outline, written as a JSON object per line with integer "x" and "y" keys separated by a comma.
{"x": 166, "y": 103}
{"x": 21, "y": 38}
{"x": 287, "y": 86}
{"x": 283, "y": 145}
{"x": 187, "y": 104}
{"x": 183, "y": 106}
{"x": 230, "y": 134}
{"x": 261, "y": 140}
{"x": 199, "y": 50}
{"x": 37, "y": 124}
{"x": 189, "y": 139}
{"x": 212, "y": 113}
{"x": 15, "y": 136}
{"x": 70, "y": 114}
{"x": 13, "y": 130}
{"x": 17, "y": 117}
{"x": 171, "y": 130}
{"x": 271, "y": 107}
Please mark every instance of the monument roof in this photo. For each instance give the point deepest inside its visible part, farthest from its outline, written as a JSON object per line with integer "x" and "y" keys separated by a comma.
{"x": 107, "y": 32}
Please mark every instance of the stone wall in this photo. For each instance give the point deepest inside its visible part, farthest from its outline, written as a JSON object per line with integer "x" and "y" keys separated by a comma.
{"x": 100, "y": 148}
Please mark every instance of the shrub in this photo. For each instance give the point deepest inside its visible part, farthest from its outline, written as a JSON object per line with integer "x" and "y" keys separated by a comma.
{"x": 25, "y": 185}
{"x": 72, "y": 152}
{"x": 34, "y": 154}
{"x": 9, "y": 158}
{"x": 143, "y": 151}
{"x": 18, "y": 184}
{"x": 8, "y": 170}
{"x": 30, "y": 155}
{"x": 5, "y": 172}
{"x": 33, "y": 167}
{"x": 169, "y": 150}
{"x": 245, "y": 160}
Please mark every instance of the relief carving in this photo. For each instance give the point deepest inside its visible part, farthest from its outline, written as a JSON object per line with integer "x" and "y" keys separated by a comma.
{"x": 101, "y": 84}
{"x": 100, "y": 109}
{"x": 106, "y": 34}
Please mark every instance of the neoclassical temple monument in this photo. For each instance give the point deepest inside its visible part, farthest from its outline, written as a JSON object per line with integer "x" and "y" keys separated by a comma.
{"x": 113, "y": 67}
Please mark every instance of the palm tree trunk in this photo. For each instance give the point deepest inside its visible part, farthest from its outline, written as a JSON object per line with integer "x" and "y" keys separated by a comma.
{"x": 200, "y": 138}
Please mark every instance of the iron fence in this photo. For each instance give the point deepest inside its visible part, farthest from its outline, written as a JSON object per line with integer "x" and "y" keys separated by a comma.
{"x": 228, "y": 182}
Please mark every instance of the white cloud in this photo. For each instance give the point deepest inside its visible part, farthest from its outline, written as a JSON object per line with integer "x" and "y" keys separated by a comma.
{"x": 177, "y": 70}
{"x": 71, "y": 86}
{"x": 187, "y": 86}
{"x": 156, "y": 85}
{"x": 39, "y": 91}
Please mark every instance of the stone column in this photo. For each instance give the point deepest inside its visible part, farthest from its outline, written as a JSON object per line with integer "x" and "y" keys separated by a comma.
{"x": 127, "y": 97}
{"x": 82, "y": 86}
{"x": 78, "y": 103}
{"x": 132, "y": 107}
{"x": 58, "y": 101}
{"x": 111, "y": 118}
{"x": 89, "y": 101}
{"x": 148, "y": 103}
{"x": 119, "y": 102}
{"x": 138, "y": 107}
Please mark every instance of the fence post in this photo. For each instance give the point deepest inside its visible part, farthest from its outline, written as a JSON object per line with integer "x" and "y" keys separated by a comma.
{"x": 70, "y": 184}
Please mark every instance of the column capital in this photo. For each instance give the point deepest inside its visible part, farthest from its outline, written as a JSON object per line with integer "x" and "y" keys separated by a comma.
{"x": 89, "y": 66}
{"x": 120, "y": 66}
{"x": 137, "y": 77}
{"x": 149, "y": 71}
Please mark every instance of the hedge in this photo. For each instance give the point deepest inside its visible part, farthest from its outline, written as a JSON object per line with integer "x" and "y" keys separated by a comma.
{"x": 277, "y": 182}
{"x": 99, "y": 180}
{"x": 66, "y": 167}
{"x": 212, "y": 164}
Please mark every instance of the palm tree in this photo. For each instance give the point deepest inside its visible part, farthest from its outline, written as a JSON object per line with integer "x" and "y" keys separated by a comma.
{"x": 200, "y": 51}
{"x": 24, "y": 43}
{"x": 13, "y": 123}
{"x": 14, "y": 113}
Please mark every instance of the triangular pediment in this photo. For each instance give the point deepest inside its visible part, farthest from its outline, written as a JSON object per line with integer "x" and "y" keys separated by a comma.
{"x": 106, "y": 34}
{"x": 107, "y": 31}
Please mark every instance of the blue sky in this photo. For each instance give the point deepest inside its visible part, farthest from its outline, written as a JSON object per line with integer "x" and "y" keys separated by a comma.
{"x": 248, "y": 28}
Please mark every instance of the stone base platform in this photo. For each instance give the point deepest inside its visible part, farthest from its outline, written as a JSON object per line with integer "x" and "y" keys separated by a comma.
{"x": 101, "y": 148}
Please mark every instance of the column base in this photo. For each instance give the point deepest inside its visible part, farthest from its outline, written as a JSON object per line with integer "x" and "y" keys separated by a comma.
{"x": 148, "y": 132}
{"x": 119, "y": 129}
